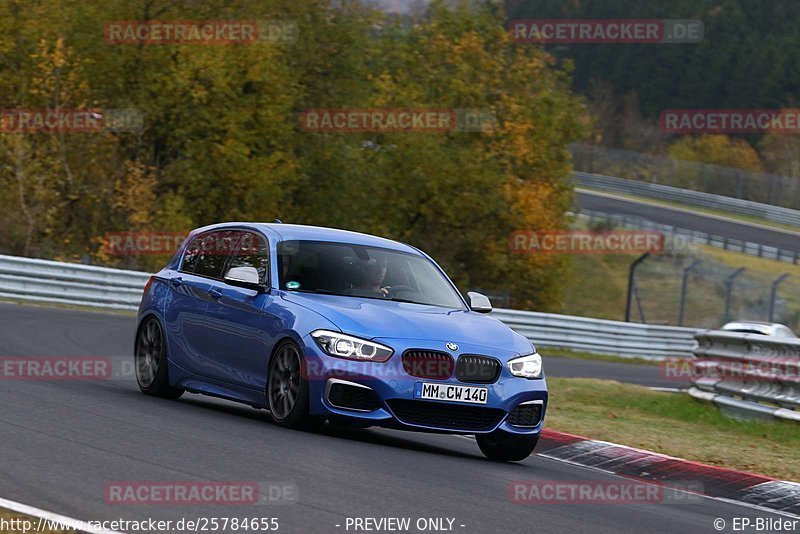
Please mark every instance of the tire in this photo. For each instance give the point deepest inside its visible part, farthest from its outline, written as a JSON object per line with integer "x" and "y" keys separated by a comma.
{"x": 287, "y": 388}
{"x": 504, "y": 447}
{"x": 150, "y": 361}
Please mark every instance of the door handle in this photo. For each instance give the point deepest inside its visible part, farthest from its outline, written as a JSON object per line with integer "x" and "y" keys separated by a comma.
{"x": 176, "y": 282}
{"x": 215, "y": 293}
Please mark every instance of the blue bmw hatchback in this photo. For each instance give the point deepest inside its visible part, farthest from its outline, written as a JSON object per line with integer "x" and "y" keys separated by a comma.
{"x": 316, "y": 323}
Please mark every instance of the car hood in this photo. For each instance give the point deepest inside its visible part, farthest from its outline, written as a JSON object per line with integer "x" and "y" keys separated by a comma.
{"x": 373, "y": 318}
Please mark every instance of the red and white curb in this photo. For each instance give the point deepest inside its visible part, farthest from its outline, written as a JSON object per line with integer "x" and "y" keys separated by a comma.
{"x": 718, "y": 482}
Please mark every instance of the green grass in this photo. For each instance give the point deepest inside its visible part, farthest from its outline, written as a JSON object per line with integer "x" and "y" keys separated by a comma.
{"x": 771, "y": 268}
{"x": 599, "y": 284}
{"x": 577, "y": 355}
{"x": 673, "y": 424}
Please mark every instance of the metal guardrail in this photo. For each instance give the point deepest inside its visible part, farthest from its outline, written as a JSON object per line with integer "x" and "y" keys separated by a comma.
{"x": 84, "y": 285}
{"x": 688, "y": 197}
{"x": 600, "y": 336}
{"x": 748, "y": 375}
{"x": 69, "y": 283}
{"x": 694, "y": 236}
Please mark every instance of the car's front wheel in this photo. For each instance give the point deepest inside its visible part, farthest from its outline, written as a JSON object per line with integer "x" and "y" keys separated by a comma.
{"x": 502, "y": 446}
{"x": 287, "y": 388}
{"x": 150, "y": 360}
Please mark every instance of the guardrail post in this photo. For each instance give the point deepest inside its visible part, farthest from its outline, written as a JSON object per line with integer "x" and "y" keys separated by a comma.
{"x": 729, "y": 289}
{"x": 684, "y": 284}
{"x": 773, "y": 293}
{"x": 631, "y": 275}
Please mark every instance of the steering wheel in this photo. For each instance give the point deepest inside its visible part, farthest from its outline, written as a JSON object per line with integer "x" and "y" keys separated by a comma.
{"x": 393, "y": 290}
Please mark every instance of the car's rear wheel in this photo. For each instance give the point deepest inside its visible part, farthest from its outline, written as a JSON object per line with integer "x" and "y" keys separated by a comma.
{"x": 287, "y": 388}
{"x": 505, "y": 447}
{"x": 150, "y": 361}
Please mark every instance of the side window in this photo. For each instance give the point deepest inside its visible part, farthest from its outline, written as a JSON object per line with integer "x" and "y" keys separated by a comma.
{"x": 206, "y": 255}
{"x": 252, "y": 251}
{"x": 191, "y": 255}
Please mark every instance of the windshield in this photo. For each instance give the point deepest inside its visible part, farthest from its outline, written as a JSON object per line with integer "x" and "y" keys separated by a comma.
{"x": 365, "y": 272}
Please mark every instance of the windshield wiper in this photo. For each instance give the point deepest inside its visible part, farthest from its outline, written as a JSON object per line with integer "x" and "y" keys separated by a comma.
{"x": 320, "y": 291}
{"x": 395, "y": 299}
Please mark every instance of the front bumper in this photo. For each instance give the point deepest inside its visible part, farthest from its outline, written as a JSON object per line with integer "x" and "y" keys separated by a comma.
{"x": 393, "y": 387}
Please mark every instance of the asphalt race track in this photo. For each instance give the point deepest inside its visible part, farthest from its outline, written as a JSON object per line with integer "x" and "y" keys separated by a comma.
{"x": 62, "y": 442}
{"x": 687, "y": 219}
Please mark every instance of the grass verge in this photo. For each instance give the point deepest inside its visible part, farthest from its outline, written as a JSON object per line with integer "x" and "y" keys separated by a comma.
{"x": 577, "y": 355}
{"x": 64, "y": 306}
{"x": 672, "y": 424}
{"x": 599, "y": 286}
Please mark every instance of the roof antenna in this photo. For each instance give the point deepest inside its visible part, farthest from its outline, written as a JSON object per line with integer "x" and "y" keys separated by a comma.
{"x": 277, "y": 221}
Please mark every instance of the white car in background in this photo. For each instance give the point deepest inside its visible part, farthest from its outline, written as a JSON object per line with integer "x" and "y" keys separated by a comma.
{"x": 759, "y": 327}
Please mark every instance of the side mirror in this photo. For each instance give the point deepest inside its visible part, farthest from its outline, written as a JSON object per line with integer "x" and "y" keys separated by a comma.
{"x": 246, "y": 277}
{"x": 479, "y": 303}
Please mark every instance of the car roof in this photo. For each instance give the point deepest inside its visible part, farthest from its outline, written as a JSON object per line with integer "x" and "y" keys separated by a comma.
{"x": 759, "y": 326}
{"x": 300, "y": 232}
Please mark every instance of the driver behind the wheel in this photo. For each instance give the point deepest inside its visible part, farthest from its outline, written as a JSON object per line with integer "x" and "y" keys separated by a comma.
{"x": 372, "y": 276}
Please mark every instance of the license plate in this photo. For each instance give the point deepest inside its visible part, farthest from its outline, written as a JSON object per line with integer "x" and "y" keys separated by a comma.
{"x": 448, "y": 392}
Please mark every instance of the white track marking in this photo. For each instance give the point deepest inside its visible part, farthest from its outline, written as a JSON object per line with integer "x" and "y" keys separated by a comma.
{"x": 59, "y": 519}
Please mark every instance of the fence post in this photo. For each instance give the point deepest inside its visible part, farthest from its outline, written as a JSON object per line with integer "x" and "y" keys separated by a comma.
{"x": 642, "y": 318}
{"x": 684, "y": 284}
{"x": 729, "y": 290}
{"x": 631, "y": 275}
{"x": 773, "y": 293}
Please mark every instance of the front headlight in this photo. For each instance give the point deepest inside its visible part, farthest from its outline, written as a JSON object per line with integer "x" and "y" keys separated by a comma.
{"x": 352, "y": 348}
{"x": 529, "y": 366}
